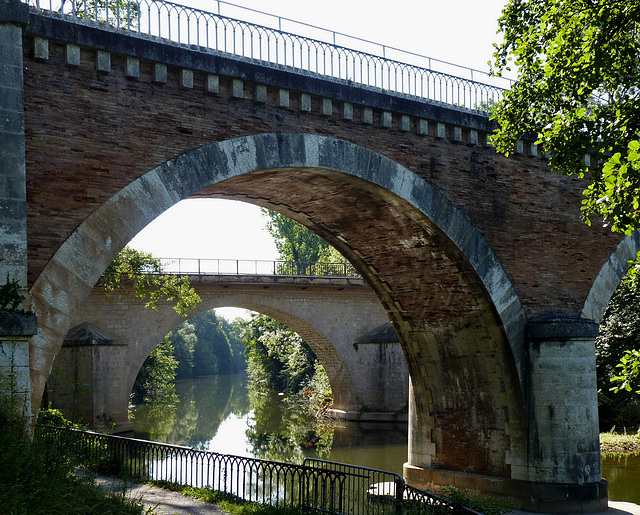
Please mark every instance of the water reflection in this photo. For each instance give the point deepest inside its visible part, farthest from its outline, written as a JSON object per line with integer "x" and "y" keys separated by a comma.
{"x": 217, "y": 414}
{"x": 204, "y": 404}
{"x": 623, "y": 476}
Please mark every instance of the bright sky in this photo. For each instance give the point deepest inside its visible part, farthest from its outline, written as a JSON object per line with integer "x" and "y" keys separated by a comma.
{"x": 458, "y": 31}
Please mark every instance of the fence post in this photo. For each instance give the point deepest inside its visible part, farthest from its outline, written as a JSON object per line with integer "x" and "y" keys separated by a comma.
{"x": 399, "y": 494}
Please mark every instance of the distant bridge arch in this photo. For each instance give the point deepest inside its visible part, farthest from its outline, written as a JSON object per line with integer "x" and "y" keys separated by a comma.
{"x": 369, "y": 381}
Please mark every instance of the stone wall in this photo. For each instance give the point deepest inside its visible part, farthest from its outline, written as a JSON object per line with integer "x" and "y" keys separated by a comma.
{"x": 369, "y": 381}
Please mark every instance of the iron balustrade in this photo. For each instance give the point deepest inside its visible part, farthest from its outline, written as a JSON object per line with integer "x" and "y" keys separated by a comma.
{"x": 408, "y": 74}
{"x": 188, "y": 266}
{"x": 364, "y": 486}
{"x": 323, "y": 485}
{"x": 249, "y": 479}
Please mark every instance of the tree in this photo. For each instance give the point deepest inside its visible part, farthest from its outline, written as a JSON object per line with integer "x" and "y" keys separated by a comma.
{"x": 117, "y": 13}
{"x": 207, "y": 344}
{"x": 619, "y": 334}
{"x": 297, "y": 243}
{"x": 277, "y": 358}
{"x": 577, "y": 92}
{"x": 184, "y": 340}
{"x": 155, "y": 381}
{"x": 145, "y": 272}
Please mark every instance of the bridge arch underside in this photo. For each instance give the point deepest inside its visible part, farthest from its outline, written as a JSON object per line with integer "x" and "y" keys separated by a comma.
{"x": 456, "y": 315}
{"x": 464, "y": 379}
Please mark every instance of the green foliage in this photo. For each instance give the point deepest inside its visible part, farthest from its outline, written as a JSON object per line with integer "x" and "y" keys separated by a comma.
{"x": 231, "y": 503}
{"x": 297, "y": 243}
{"x": 629, "y": 374}
{"x": 145, "y": 272}
{"x": 10, "y": 296}
{"x": 120, "y": 13}
{"x": 37, "y": 479}
{"x": 619, "y": 336}
{"x": 207, "y": 344}
{"x": 614, "y": 443}
{"x": 277, "y": 358}
{"x": 283, "y": 373}
{"x": 54, "y": 417}
{"x": 156, "y": 380}
{"x": 577, "y": 92}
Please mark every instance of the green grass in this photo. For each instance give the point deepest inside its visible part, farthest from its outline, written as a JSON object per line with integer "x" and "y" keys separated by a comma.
{"x": 615, "y": 443}
{"x": 36, "y": 480}
{"x": 231, "y": 503}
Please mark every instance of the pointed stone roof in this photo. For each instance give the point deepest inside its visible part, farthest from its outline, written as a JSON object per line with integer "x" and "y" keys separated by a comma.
{"x": 384, "y": 333}
{"x": 88, "y": 334}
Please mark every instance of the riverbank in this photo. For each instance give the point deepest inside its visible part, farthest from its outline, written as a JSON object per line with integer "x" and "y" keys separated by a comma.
{"x": 612, "y": 443}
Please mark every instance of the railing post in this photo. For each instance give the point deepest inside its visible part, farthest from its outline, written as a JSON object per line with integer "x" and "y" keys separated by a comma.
{"x": 399, "y": 497}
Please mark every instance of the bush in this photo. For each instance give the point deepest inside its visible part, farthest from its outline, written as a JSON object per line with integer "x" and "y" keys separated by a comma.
{"x": 37, "y": 479}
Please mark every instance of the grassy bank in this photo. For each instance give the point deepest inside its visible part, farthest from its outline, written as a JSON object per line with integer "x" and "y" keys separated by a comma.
{"x": 34, "y": 479}
{"x": 616, "y": 443}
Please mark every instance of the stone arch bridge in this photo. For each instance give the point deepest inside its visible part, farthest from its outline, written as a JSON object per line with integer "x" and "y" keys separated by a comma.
{"x": 493, "y": 284}
{"x": 340, "y": 318}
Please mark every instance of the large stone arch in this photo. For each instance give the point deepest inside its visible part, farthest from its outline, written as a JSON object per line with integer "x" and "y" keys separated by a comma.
{"x": 609, "y": 277}
{"x": 462, "y": 335}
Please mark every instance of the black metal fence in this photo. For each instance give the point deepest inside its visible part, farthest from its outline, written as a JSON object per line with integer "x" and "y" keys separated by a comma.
{"x": 373, "y": 491}
{"x": 195, "y": 266}
{"x": 322, "y": 485}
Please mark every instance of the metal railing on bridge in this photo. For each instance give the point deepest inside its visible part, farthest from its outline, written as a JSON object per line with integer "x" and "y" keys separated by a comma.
{"x": 188, "y": 266}
{"x": 322, "y": 485}
{"x": 360, "y": 62}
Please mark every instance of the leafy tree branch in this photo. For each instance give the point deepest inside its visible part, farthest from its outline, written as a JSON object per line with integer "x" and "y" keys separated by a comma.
{"x": 145, "y": 273}
{"x": 577, "y": 92}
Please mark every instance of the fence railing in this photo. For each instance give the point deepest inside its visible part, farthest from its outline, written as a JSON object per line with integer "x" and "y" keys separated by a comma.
{"x": 195, "y": 266}
{"x": 364, "y": 486}
{"x": 372, "y": 65}
{"x": 322, "y": 485}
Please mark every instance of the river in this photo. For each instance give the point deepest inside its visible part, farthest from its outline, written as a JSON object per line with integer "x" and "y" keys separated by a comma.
{"x": 217, "y": 414}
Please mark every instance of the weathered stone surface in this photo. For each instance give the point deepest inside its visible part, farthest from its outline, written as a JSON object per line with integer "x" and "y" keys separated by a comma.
{"x": 460, "y": 245}
{"x": 330, "y": 315}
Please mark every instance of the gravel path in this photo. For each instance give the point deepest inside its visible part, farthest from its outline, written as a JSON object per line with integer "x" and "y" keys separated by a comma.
{"x": 163, "y": 501}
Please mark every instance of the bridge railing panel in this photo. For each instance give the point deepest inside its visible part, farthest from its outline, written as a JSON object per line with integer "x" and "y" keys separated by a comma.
{"x": 391, "y": 70}
{"x": 188, "y": 266}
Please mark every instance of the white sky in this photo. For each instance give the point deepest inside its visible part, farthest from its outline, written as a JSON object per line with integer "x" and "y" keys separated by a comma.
{"x": 458, "y": 31}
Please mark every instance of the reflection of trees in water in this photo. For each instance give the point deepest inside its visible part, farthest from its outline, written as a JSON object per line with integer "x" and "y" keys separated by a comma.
{"x": 284, "y": 428}
{"x": 197, "y": 416}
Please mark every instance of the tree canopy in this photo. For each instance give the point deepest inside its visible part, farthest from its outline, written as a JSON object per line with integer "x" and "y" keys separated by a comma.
{"x": 297, "y": 243}
{"x": 577, "y": 92}
{"x": 149, "y": 281}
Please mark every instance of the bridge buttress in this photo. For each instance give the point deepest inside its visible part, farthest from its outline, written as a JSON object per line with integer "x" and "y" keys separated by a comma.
{"x": 16, "y": 328}
{"x": 560, "y": 468}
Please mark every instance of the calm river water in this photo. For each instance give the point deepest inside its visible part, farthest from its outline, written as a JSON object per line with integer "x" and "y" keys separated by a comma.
{"x": 217, "y": 414}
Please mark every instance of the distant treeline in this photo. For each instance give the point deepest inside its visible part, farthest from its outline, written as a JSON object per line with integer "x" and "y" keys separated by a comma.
{"x": 206, "y": 344}
{"x": 274, "y": 357}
